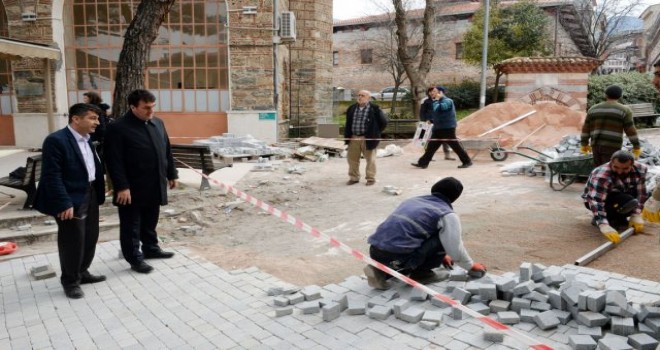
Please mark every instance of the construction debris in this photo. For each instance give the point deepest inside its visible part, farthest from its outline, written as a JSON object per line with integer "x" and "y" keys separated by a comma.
{"x": 389, "y": 189}
{"x": 229, "y": 145}
{"x": 389, "y": 150}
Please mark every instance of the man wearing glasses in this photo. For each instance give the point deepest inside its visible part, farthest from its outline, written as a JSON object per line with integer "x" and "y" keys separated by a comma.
{"x": 365, "y": 122}
{"x": 71, "y": 189}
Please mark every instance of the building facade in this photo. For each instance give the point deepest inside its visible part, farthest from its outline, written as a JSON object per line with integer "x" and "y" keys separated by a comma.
{"x": 216, "y": 65}
{"x": 358, "y": 43}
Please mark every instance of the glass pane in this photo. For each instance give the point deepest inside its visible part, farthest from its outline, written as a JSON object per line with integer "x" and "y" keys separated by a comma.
{"x": 152, "y": 82}
{"x": 90, "y": 14}
{"x": 200, "y": 101}
{"x": 165, "y": 101}
{"x": 200, "y": 34}
{"x": 164, "y": 79}
{"x": 188, "y": 78}
{"x": 81, "y": 62}
{"x": 200, "y": 58}
{"x": 92, "y": 61}
{"x": 78, "y": 14}
{"x": 212, "y": 59}
{"x": 212, "y": 78}
{"x": 189, "y": 100}
{"x": 175, "y": 76}
{"x": 175, "y": 14}
{"x": 188, "y": 58}
{"x": 200, "y": 78}
{"x": 176, "y": 57}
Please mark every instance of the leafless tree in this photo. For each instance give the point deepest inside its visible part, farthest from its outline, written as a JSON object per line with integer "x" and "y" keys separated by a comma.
{"x": 134, "y": 56}
{"x": 416, "y": 69}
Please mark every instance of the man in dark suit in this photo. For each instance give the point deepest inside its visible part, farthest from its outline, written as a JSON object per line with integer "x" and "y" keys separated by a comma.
{"x": 141, "y": 167}
{"x": 71, "y": 189}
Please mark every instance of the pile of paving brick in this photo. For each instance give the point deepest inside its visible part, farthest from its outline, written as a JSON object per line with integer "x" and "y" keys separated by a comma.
{"x": 613, "y": 317}
{"x": 231, "y": 144}
{"x": 569, "y": 146}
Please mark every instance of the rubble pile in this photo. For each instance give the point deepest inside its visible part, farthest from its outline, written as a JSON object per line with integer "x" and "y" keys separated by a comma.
{"x": 230, "y": 144}
{"x": 591, "y": 309}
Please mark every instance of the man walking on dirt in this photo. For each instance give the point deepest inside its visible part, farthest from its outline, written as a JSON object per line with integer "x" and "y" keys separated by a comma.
{"x": 365, "y": 122}
{"x": 614, "y": 193}
{"x": 604, "y": 127}
{"x": 420, "y": 235}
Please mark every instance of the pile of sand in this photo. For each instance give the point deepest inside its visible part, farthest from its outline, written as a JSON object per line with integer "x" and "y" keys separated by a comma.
{"x": 542, "y": 129}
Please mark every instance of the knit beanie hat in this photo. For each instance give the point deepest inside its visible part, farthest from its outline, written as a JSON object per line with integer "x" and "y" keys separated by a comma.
{"x": 449, "y": 187}
{"x": 614, "y": 91}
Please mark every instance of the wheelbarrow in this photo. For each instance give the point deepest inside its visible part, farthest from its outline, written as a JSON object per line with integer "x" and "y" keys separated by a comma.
{"x": 497, "y": 153}
{"x": 566, "y": 169}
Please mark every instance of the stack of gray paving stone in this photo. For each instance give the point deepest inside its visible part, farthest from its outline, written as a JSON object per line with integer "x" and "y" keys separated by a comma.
{"x": 580, "y": 310}
{"x": 230, "y": 144}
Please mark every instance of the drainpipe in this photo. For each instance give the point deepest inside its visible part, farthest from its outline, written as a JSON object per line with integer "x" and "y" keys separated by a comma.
{"x": 276, "y": 91}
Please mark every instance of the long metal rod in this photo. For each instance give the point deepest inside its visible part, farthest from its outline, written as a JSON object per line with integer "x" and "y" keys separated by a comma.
{"x": 594, "y": 254}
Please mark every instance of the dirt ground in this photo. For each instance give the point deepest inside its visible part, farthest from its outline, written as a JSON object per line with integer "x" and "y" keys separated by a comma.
{"x": 506, "y": 220}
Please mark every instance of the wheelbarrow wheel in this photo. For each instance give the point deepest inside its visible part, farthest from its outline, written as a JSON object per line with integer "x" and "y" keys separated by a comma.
{"x": 498, "y": 154}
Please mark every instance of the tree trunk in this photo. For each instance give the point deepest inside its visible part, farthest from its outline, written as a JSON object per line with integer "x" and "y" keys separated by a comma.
{"x": 134, "y": 55}
{"x": 496, "y": 93}
{"x": 417, "y": 75}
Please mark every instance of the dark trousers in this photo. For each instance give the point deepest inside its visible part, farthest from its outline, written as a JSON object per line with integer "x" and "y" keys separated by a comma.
{"x": 433, "y": 145}
{"x": 77, "y": 238}
{"x": 428, "y": 256}
{"x": 137, "y": 224}
{"x": 618, "y": 207}
{"x": 603, "y": 154}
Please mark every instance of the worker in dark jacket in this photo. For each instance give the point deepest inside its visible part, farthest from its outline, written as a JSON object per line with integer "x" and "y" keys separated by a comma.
{"x": 365, "y": 122}
{"x": 426, "y": 115}
{"x": 71, "y": 189}
{"x": 141, "y": 167}
{"x": 422, "y": 234}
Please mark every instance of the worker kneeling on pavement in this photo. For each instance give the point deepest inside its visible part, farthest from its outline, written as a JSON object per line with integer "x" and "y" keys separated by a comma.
{"x": 615, "y": 193}
{"x": 420, "y": 235}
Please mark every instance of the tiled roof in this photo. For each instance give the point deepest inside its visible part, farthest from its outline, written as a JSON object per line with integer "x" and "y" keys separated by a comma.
{"x": 575, "y": 64}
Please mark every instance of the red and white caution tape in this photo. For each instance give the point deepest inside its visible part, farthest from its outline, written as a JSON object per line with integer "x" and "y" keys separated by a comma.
{"x": 284, "y": 216}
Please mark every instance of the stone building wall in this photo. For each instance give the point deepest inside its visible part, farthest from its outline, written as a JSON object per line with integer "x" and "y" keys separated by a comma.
{"x": 568, "y": 89}
{"x": 446, "y": 68}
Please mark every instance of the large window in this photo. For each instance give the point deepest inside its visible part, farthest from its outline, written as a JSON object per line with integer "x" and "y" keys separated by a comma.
{"x": 5, "y": 71}
{"x": 188, "y": 63}
{"x": 366, "y": 56}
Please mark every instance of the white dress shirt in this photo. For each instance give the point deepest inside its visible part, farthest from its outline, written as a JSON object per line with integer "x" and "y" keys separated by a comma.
{"x": 87, "y": 153}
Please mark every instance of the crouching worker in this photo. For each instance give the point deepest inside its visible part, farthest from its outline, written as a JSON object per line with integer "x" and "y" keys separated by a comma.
{"x": 615, "y": 193}
{"x": 420, "y": 235}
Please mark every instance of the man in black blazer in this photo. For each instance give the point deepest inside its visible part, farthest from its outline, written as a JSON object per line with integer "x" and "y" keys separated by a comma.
{"x": 71, "y": 188}
{"x": 141, "y": 167}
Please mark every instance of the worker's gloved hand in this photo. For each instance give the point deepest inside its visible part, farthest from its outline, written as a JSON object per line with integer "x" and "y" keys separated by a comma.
{"x": 636, "y": 152}
{"x": 448, "y": 262}
{"x": 637, "y": 223}
{"x": 651, "y": 212}
{"x": 585, "y": 149}
{"x": 610, "y": 233}
{"x": 477, "y": 271}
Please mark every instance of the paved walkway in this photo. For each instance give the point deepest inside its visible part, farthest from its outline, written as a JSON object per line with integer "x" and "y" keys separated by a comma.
{"x": 189, "y": 303}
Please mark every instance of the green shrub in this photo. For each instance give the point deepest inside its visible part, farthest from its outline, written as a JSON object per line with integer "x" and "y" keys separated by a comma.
{"x": 466, "y": 94}
{"x": 637, "y": 88}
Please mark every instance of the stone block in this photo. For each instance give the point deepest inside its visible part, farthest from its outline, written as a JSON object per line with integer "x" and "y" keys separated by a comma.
{"x": 356, "y": 307}
{"x": 399, "y": 306}
{"x": 342, "y": 300}
{"x": 480, "y": 308}
{"x": 563, "y": 316}
{"x": 475, "y": 299}
{"x": 508, "y": 296}
{"x": 594, "y": 332}
{"x": 641, "y": 341}
{"x": 537, "y": 267}
{"x": 571, "y": 295}
{"x": 311, "y": 293}
{"x": 525, "y": 272}
{"x": 280, "y": 301}
{"x": 417, "y": 294}
{"x": 527, "y": 315}
{"x": 429, "y": 326}
{"x": 523, "y": 288}
{"x": 473, "y": 287}
{"x": 546, "y": 320}
{"x": 379, "y": 312}
{"x": 539, "y": 306}
{"x": 432, "y": 316}
{"x": 461, "y": 295}
{"x": 554, "y": 280}
{"x": 508, "y": 317}
{"x": 592, "y": 319}
{"x": 438, "y": 303}
{"x": 646, "y": 330}
{"x": 42, "y": 272}
{"x": 653, "y": 323}
{"x": 536, "y": 296}
{"x": 542, "y": 288}
{"x": 623, "y": 326}
{"x": 289, "y": 290}
{"x": 488, "y": 291}
{"x": 616, "y": 297}
{"x": 499, "y": 305}
{"x": 614, "y": 342}
{"x": 581, "y": 342}
{"x": 309, "y": 307}
{"x": 389, "y": 295}
{"x": 614, "y": 310}
{"x": 458, "y": 275}
{"x": 494, "y": 336}
{"x": 274, "y": 291}
{"x": 555, "y": 299}
{"x": 505, "y": 284}
{"x": 451, "y": 285}
{"x": 456, "y": 313}
{"x": 283, "y": 311}
{"x": 330, "y": 311}
{"x": 295, "y": 298}
{"x": 412, "y": 315}
{"x": 647, "y": 311}
{"x": 582, "y": 299}
{"x": 596, "y": 301}
{"x": 518, "y": 304}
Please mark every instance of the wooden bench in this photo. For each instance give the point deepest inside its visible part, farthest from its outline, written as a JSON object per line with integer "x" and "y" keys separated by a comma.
{"x": 29, "y": 182}
{"x": 401, "y": 127}
{"x": 197, "y": 157}
{"x": 645, "y": 113}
